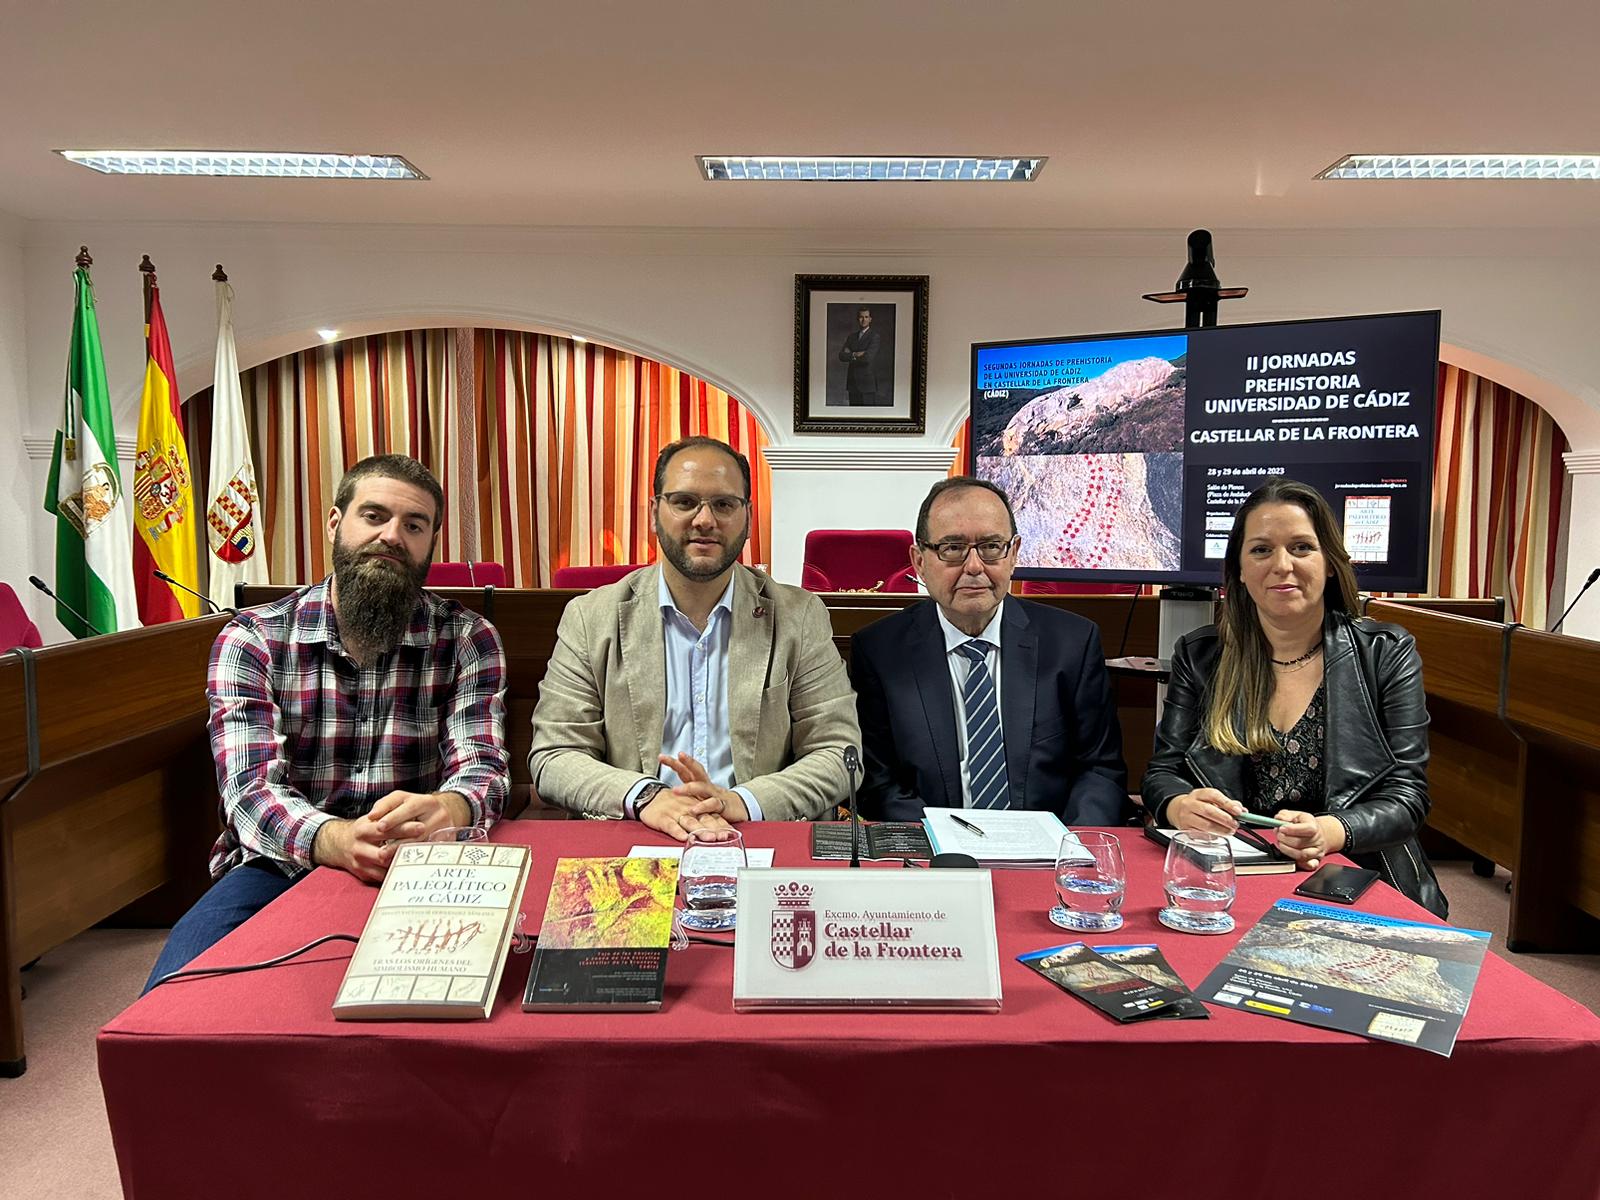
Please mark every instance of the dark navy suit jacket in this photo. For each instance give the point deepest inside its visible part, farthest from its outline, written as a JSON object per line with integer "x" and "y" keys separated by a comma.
{"x": 1063, "y": 743}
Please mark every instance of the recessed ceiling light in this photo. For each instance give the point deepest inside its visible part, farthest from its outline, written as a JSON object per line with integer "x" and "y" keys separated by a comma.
{"x": 327, "y": 335}
{"x": 249, "y": 163}
{"x": 721, "y": 168}
{"x": 1464, "y": 166}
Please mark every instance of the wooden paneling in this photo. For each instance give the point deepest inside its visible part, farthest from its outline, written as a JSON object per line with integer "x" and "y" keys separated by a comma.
{"x": 1474, "y": 761}
{"x": 1550, "y": 703}
{"x": 13, "y": 769}
{"x": 124, "y": 806}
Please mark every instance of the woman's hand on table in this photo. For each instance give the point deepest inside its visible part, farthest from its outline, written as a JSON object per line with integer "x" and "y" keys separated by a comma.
{"x": 1204, "y": 810}
{"x": 1309, "y": 839}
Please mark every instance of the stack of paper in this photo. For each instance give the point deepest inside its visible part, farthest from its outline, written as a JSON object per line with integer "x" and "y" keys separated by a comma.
{"x": 998, "y": 837}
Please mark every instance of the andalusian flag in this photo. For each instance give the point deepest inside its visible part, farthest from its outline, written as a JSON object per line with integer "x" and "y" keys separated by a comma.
{"x": 163, "y": 497}
{"x": 233, "y": 525}
{"x": 93, "y": 545}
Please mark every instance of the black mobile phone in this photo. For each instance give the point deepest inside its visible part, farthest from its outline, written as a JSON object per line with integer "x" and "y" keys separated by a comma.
{"x": 1341, "y": 884}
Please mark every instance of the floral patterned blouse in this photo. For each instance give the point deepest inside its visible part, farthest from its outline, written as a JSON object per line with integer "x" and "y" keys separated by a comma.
{"x": 1292, "y": 777}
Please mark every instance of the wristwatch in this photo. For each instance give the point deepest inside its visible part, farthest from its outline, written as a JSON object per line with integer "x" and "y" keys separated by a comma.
{"x": 649, "y": 794}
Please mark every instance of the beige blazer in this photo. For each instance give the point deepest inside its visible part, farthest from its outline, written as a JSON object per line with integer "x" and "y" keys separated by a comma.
{"x": 602, "y": 705}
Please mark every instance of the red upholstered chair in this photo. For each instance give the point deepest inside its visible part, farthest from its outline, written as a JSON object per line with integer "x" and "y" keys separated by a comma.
{"x": 466, "y": 574}
{"x": 16, "y": 628}
{"x": 592, "y": 577}
{"x": 855, "y": 560}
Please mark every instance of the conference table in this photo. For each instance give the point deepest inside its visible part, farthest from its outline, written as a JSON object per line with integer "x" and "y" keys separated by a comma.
{"x": 244, "y": 1085}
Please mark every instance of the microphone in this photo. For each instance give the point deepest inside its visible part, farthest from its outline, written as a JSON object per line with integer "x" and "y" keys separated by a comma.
{"x": 1587, "y": 583}
{"x": 852, "y": 764}
{"x": 204, "y": 599}
{"x": 45, "y": 588}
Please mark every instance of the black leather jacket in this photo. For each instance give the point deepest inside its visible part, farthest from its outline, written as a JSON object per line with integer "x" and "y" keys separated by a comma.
{"x": 1376, "y": 749}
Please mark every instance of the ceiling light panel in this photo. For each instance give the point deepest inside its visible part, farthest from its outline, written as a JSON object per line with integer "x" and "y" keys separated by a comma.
{"x": 1464, "y": 166}
{"x": 745, "y": 168}
{"x": 241, "y": 163}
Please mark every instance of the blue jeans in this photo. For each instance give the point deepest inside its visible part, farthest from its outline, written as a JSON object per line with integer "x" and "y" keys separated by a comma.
{"x": 231, "y": 901}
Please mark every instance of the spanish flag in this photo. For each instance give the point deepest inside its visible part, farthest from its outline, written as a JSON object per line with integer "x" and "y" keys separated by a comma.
{"x": 163, "y": 500}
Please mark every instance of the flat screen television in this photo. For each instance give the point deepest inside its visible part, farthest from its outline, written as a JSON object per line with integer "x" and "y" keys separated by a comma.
{"x": 1126, "y": 455}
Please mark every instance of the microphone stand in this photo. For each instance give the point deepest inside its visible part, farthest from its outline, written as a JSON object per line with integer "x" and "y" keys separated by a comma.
{"x": 1593, "y": 575}
{"x": 204, "y": 599}
{"x": 45, "y": 588}
{"x": 852, "y": 764}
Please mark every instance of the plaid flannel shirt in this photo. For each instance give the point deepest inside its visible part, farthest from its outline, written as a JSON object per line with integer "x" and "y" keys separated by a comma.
{"x": 302, "y": 734}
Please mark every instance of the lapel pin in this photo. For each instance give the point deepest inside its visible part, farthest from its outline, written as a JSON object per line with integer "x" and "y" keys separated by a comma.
{"x": 759, "y": 612}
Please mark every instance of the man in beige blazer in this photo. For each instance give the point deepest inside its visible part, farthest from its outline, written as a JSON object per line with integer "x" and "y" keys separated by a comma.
{"x": 696, "y": 693}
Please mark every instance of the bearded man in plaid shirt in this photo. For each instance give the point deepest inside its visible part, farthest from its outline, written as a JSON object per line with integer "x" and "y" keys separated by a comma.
{"x": 356, "y": 714}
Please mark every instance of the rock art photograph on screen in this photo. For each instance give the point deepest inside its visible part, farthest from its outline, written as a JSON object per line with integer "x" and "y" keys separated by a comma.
{"x": 1134, "y": 407}
{"x": 1109, "y": 512}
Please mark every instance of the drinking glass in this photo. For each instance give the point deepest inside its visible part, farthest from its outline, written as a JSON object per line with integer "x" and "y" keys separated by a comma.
{"x": 1089, "y": 892}
{"x": 707, "y": 877}
{"x": 1199, "y": 882}
{"x": 460, "y": 833}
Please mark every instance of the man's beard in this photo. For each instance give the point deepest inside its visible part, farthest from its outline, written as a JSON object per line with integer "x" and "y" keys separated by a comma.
{"x": 676, "y": 554}
{"x": 375, "y": 600}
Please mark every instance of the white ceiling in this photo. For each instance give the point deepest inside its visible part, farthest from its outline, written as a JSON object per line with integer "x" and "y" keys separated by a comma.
{"x": 1155, "y": 114}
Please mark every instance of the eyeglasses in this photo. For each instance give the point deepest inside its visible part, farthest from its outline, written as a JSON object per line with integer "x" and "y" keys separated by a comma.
{"x": 687, "y": 504}
{"x": 955, "y": 553}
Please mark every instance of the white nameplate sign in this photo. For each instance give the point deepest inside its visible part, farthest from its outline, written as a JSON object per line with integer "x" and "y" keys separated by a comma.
{"x": 830, "y": 938}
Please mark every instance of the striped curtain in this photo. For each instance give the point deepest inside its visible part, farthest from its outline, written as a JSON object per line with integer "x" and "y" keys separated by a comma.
{"x": 567, "y": 441}
{"x": 544, "y": 447}
{"x": 1498, "y": 480}
{"x": 317, "y": 413}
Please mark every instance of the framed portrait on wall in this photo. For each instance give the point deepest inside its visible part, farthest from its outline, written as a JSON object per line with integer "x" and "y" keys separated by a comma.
{"x": 860, "y": 353}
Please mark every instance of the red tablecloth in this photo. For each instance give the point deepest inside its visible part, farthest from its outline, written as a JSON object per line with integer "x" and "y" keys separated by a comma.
{"x": 245, "y": 1086}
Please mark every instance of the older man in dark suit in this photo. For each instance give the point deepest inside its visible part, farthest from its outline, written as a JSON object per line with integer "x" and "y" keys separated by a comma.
{"x": 977, "y": 698}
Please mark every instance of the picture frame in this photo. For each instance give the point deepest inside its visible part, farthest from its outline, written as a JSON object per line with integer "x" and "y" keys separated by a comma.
{"x": 860, "y": 353}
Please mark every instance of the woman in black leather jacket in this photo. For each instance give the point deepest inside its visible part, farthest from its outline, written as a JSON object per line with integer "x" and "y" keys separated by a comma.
{"x": 1292, "y": 705}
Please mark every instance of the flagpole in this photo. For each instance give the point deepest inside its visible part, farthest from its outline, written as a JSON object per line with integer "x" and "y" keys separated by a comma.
{"x": 148, "y": 269}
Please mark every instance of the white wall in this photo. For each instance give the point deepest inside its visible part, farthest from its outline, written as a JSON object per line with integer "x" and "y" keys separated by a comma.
{"x": 720, "y": 303}
{"x": 18, "y": 497}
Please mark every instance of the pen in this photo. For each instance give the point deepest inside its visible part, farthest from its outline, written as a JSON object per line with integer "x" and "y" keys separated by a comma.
{"x": 1258, "y": 819}
{"x": 968, "y": 825}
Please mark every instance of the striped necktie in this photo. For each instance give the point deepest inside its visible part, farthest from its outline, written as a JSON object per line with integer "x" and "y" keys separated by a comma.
{"x": 986, "y": 749}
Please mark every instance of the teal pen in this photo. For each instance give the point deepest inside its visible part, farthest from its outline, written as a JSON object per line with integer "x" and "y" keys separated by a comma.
{"x": 1258, "y": 819}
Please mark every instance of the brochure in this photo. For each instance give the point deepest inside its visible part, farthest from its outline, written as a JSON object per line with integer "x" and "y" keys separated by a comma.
{"x": 1115, "y": 990}
{"x": 1147, "y": 962}
{"x": 1340, "y": 968}
{"x": 879, "y": 839}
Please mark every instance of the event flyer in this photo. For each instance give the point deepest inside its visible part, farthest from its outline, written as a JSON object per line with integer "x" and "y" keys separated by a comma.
{"x": 1128, "y": 455}
{"x": 1339, "y": 968}
{"x": 1146, "y": 961}
{"x": 1116, "y": 990}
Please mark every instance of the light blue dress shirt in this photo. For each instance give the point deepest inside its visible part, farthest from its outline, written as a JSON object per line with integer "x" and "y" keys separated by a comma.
{"x": 697, "y": 695}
